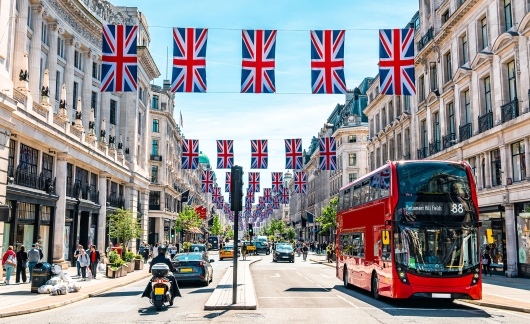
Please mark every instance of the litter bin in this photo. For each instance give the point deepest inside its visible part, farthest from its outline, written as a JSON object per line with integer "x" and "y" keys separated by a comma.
{"x": 118, "y": 249}
{"x": 42, "y": 272}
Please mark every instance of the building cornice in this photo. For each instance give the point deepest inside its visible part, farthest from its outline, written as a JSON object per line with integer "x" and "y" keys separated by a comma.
{"x": 146, "y": 61}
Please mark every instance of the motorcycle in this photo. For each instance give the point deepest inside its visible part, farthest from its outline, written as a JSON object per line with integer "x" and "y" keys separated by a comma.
{"x": 161, "y": 286}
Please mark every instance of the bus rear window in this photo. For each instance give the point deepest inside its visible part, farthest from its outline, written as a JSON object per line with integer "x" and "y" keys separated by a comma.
{"x": 432, "y": 178}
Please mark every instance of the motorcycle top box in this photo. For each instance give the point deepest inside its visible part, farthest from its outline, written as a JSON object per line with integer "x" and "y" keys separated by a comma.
{"x": 160, "y": 270}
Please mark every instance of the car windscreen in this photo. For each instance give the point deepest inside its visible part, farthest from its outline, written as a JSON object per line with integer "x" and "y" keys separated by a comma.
{"x": 199, "y": 247}
{"x": 228, "y": 248}
{"x": 188, "y": 257}
{"x": 284, "y": 248}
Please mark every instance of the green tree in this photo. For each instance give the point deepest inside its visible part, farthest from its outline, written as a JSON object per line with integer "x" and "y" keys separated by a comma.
{"x": 230, "y": 233}
{"x": 278, "y": 227}
{"x": 124, "y": 226}
{"x": 216, "y": 228}
{"x": 291, "y": 233}
{"x": 187, "y": 219}
{"x": 328, "y": 220}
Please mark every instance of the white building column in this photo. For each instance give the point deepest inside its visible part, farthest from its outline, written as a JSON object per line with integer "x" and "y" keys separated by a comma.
{"x": 511, "y": 242}
{"x": 21, "y": 36}
{"x": 144, "y": 199}
{"x": 102, "y": 216}
{"x": 86, "y": 93}
{"x": 506, "y": 164}
{"x": 60, "y": 210}
{"x": 35, "y": 52}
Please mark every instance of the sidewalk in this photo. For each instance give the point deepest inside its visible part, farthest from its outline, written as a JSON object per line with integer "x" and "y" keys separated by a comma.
{"x": 17, "y": 299}
{"x": 221, "y": 297}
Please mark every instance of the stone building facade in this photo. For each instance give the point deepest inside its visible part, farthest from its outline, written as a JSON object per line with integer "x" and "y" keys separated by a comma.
{"x": 348, "y": 125}
{"x": 472, "y": 103}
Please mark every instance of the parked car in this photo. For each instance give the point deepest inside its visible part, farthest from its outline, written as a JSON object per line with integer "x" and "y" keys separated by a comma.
{"x": 283, "y": 252}
{"x": 228, "y": 252}
{"x": 193, "y": 266}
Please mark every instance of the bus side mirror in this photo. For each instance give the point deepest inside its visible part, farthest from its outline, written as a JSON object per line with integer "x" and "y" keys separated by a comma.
{"x": 489, "y": 234}
{"x": 385, "y": 235}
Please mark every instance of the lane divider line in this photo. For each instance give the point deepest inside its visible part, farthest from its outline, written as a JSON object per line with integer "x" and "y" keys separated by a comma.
{"x": 347, "y": 301}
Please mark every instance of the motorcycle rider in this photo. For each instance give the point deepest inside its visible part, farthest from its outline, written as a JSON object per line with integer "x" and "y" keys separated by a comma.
{"x": 161, "y": 258}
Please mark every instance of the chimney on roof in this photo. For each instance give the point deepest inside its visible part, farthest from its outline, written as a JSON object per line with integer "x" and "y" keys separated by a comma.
{"x": 167, "y": 85}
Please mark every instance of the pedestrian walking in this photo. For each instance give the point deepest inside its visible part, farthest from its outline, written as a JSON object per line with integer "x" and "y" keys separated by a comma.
{"x": 84, "y": 262}
{"x": 244, "y": 250}
{"x": 95, "y": 258}
{"x": 22, "y": 264}
{"x": 9, "y": 261}
{"x": 486, "y": 262}
{"x": 77, "y": 253}
{"x": 328, "y": 253}
{"x": 33, "y": 259}
{"x": 41, "y": 254}
{"x": 155, "y": 250}
{"x": 145, "y": 253}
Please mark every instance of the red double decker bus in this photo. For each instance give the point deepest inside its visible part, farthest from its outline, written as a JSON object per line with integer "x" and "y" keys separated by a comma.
{"x": 411, "y": 229}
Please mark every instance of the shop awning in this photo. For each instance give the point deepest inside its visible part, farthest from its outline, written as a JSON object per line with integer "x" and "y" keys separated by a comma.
{"x": 195, "y": 230}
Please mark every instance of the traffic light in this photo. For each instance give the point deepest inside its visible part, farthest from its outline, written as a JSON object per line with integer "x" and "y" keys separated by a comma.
{"x": 250, "y": 230}
{"x": 237, "y": 189}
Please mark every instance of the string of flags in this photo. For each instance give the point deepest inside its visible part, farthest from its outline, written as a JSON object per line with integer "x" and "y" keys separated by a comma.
{"x": 258, "y": 60}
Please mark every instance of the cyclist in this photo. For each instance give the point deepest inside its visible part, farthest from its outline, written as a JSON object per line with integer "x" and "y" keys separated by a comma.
{"x": 305, "y": 250}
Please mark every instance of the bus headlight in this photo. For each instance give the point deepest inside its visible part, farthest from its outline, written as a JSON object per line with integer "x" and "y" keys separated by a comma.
{"x": 402, "y": 274}
{"x": 475, "y": 275}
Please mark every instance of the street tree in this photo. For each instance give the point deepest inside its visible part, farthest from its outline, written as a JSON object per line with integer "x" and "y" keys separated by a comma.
{"x": 216, "y": 228}
{"x": 124, "y": 226}
{"x": 291, "y": 233}
{"x": 187, "y": 219}
{"x": 230, "y": 233}
{"x": 328, "y": 220}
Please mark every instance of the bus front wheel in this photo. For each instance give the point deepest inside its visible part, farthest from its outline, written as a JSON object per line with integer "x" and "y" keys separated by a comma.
{"x": 375, "y": 286}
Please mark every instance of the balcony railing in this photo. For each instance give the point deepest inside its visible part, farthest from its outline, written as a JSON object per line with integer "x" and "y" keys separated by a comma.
{"x": 449, "y": 140}
{"x": 422, "y": 153}
{"x": 115, "y": 201}
{"x": 25, "y": 178}
{"x": 425, "y": 39}
{"x": 465, "y": 131}
{"x": 94, "y": 197}
{"x": 156, "y": 157}
{"x": 509, "y": 111}
{"x": 406, "y": 157}
{"x": 434, "y": 147}
{"x": 485, "y": 122}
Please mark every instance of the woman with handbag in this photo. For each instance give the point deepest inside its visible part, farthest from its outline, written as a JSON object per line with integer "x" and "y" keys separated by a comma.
{"x": 22, "y": 264}
{"x": 486, "y": 262}
{"x": 9, "y": 261}
{"x": 84, "y": 262}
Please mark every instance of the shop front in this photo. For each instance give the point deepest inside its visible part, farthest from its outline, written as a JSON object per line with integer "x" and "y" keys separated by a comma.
{"x": 80, "y": 226}
{"x": 522, "y": 214}
{"x": 493, "y": 236}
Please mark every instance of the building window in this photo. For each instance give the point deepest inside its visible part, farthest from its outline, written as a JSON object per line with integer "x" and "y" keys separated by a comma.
{"x": 60, "y": 47}
{"x": 383, "y": 115}
{"x": 11, "y": 158}
{"x": 399, "y": 147}
{"x": 44, "y": 35}
{"x": 424, "y": 137}
{"x": 487, "y": 94}
{"x": 154, "y": 103}
{"x": 518, "y": 161}
{"x": 155, "y": 125}
{"x": 93, "y": 184}
{"x": 484, "y": 31}
{"x": 95, "y": 71}
{"x": 76, "y": 85}
{"x": 422, "y": 88}
{"x": 26, "y": 211}
{"x": 496, "y": 177}
{"x": 473, "y": 164}
{"x": 352, "y": 177}
{"x": 154, "y": 173}
{"x": 512, "y": 85}
{"x": 467, "y": 107}
{"x": 352, "y": 138}
{"x": 352, "y": 159}
{"x": 464, "y": 49}
{"x": 508, "y": 14}
{"x": 94, "y": 102}
{"x": 448, "y": 67}
{"x": 69, "y": 180}
{"x": 30, "y": 17}
{"x": 154, "y": 147}
{"x": 78, "y": 60}
{"x": 445, "y": 17}
{"x": 434, "y": 77}
{"x": 436, "y": 127}
{"x": 28, "y": 159}
{"x": 139, "y": 123}
{"x": 113, "y": 112}
{"x": 407, "y": 103}
{"x": 47, "y": 166}
{"x": 154, "y": 200}
{"x": 417, "y": 22}
{"x": 57, "y": 86}
{"x": 451, "y": 124}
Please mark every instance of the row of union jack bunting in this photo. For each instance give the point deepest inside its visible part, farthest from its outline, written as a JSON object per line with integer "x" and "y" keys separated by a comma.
{"x": 120, "y": 63}
{"x": 260, "y": 154}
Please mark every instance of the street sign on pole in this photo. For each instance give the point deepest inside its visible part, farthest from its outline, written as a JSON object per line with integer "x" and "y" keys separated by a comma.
{"x": 236, "y": 206}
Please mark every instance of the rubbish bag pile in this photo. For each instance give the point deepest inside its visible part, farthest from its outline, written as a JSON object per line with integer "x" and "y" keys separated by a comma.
{"x": 60, "y": 284}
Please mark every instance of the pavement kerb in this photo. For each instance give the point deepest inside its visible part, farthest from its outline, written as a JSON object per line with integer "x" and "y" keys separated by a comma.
{"x": 72, "y": 300}
{"x": 503, "y": 307}
{"x": 323, "y": 262}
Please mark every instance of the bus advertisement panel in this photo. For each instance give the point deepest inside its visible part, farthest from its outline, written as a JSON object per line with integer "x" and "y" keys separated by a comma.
{"x": 410, "y": 229}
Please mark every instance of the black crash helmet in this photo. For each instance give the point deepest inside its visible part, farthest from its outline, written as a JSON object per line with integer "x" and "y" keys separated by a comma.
{"x": 162, "y": 249}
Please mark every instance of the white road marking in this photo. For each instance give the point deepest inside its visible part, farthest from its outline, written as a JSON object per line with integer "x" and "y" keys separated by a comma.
{"x": 276, "y": 276}
{"x": 309, "y": 279}
{"x": 298, "y": 297}
{"x": 325, "y": 275}
{"x": 323, "y": 287}
{"x": 298, "y": 273}
{"x": 347, "y": 301}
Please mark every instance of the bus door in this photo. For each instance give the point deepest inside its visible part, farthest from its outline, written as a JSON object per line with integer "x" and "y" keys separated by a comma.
{"x": 383, "y": 259}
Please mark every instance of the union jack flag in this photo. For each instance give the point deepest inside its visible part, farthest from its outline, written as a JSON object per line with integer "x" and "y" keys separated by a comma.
{"x": 189, "y": 60}
{"x": 261, "y": 203}
{"x": 207, "y": 181}
{"x": 277, "y": 181}
{"x": 276, "y": 202}
{"x": 396, "y": 62}
{"x": 267, "y": 193}
{"x": 257, "y": 75}
{"x": 216, "y": 195}
{"x": 226, "y": 208}
{"x": 219, "y": 204}
{"x": 248, "y": 205}
{"x": 259, "y": 154}
{"x": 119, "y": 61}
{"x": 250, "y": 194}
{"x": 327, "y": 61}
{"x": 284, "y": 196}
{"x": 300, "y": 182}
{"x": 328, "y": 153}
{"x": 190, "y": 154}
{"x": 228, "y": 182}
{"x": 293, "y": 154}
{"x": 225, "y": 154}
{"x": 253, "y": 181}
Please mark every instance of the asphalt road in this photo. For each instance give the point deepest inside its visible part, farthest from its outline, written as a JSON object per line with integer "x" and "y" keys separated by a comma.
{"x": 300, "y": 292}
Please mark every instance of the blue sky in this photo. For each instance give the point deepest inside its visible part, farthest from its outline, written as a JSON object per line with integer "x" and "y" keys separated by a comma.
{"x": 293, "y": 112}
